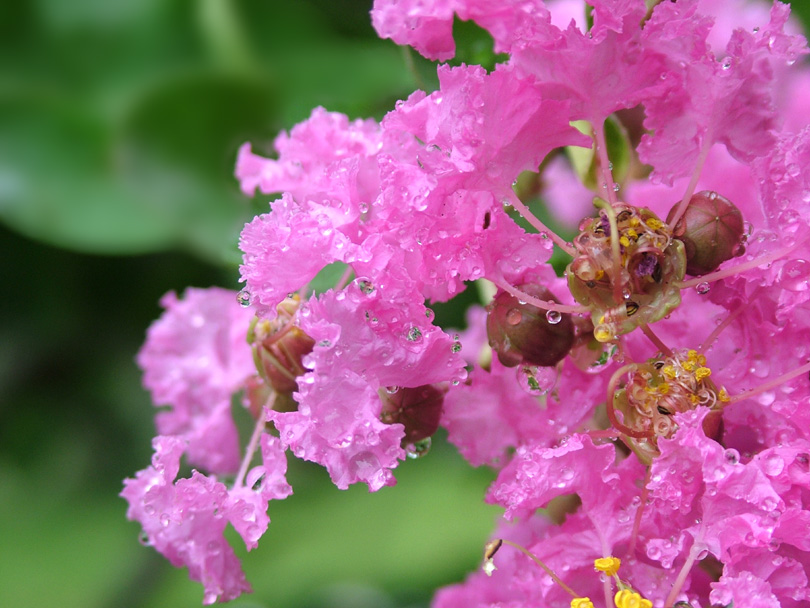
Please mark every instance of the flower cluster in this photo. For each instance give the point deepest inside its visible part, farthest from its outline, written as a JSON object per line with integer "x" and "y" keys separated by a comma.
{"x": 650, "y": 407}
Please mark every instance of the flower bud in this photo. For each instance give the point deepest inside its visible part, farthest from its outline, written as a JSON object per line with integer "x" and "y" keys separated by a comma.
{"x": 522, "y": 333}
{"x": 418, "y": 409}
{"x": 711, "y": 230}
{"x": 279, "y": 347}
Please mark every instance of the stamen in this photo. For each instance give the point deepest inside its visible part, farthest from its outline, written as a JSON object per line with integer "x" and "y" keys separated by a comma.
{"x": 492, "y": 548}
{"x": 627, "y": 598}
{"x": 608, "y": 565}
{"x": 690, "y": 189}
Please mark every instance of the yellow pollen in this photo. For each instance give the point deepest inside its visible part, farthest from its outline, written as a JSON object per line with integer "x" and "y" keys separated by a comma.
{"x": 663, "y": 388}
{"x": 635, "y": 222}
{"x": 723, "y": 396}
{"x": 630, "y": 599}
{"x": 694, "y": 398}
{"x": 692, "y": 355}
{"x": 631, "y": 233}
{"x": 669, "y": 372}
{"x": 654, "y": 223}
{"x": 581, "y": 602}
{"x": 599, "y": 274}
{"x": 624, "y": 241}
{"x": 608, "y": 565}
{"x": 689, "y": 366}
{"x": 702, "y": 372}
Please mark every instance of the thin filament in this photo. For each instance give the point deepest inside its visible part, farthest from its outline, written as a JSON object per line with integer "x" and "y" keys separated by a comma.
{"x": 548, "y": 570}
{"x": 611, "y": 411}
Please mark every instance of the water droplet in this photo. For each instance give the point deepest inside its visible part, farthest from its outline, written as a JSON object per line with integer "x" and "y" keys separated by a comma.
{"x": 243, "y": 297}
{"x": 143, "y": 538}
{"x": 418, "y": 449}
{"x": 553, "y": 316}
{"x": 456, "y": 348}
{"x": 726, "y": 63}
{"x": 616, "y": 187}
{"x": 732, "y": 456}
{"x": 514, "y": 316}
{"x": 414, "y": 334}
{"x": 164, "y": 520}
{"x": 363, "y": 208}
{"x": 773, "y": 464}
{"x": 429, "y": 314}
{"x": 391, "y": 389}
{"x": 365, "y": 286}
{"x": 536, "y": 380}
{"x": 795, "y": 275}
{"x": 213, "y": 548}
{"x": 703, "y": 288}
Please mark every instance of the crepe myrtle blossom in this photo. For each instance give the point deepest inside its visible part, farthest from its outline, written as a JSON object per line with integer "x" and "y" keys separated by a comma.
{"x": 647, "y": 409}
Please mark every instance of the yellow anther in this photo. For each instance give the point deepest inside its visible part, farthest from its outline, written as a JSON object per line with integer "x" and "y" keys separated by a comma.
{"x": 602, "y": 333}
{"x": 670, "y": 372}
{"x": 631, "y": 233}
{"x": 581, "y": 602}
{"x": 694, "y": 398}
{"x": 599, "y": 274}
{"x": 723, "y": 396}
{"x": 630, "y": 599}
{"x": 692, "y": 355}
{"x": 635, "y": 222}
{"x": 689, "y": 366}
{"x": 702, "y": 372}
{"x": 655, "y": 223}
{"x": 608, "y": 565}
{"x": 624, "y": 241}
{"x": 663, "y": 388}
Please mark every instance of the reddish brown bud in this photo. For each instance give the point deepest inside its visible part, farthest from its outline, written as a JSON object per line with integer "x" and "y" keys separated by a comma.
{"x": 522, "y": 333}
{"x": 711, "y": 230}
{"x": 418, "y": 409}
{"x": 279, "y": 347}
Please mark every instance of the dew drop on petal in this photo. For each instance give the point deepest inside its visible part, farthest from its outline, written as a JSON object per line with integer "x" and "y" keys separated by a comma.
{"x": 391, "y": 389}
{"x": 243, "y": 297}
{"x": 703, "y": 288}
{"x": 732, "y": 456}
{"x": 795, "y": 275}
{"x": 414, "y": 334}
{"x": 553, "y": 316}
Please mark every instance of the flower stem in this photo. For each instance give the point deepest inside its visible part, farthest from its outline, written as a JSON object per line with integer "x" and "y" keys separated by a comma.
{"x": 645, "y": 329}
{"x": 685, "y": 569}
{"x": 770, "y": 384}
{"x": 537, "y": 224}
{"x": 639, "y": 513}
{"x": 732, "y": 270}
{"x": 254, "y": 442}
{"x": 707, "y": 343}
{"x": 690, "y": 189}
{"x": 604, "y": 161}
{"x": 542, "y": 304}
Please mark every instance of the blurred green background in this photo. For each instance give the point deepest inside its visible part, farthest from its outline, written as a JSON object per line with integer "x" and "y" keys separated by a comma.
{"x": 119, "y": 125}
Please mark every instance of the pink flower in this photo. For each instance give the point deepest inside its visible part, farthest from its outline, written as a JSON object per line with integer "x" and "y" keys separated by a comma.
{"x": 194, "y": 359}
